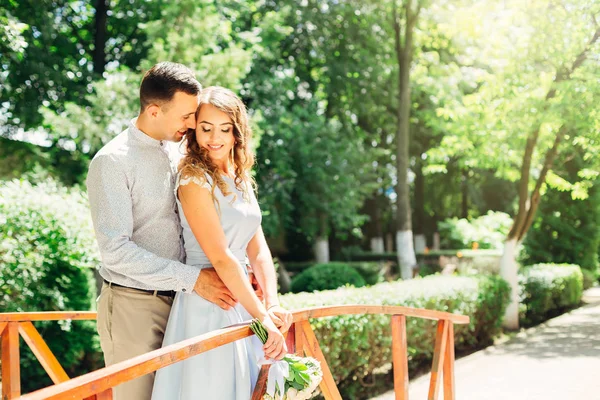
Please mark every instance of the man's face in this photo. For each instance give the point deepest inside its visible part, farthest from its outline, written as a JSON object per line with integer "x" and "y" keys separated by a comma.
{"x": 175, "y": 117}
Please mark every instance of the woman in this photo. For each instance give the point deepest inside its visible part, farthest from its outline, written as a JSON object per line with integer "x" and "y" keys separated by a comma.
{"x": 221, "y": 227}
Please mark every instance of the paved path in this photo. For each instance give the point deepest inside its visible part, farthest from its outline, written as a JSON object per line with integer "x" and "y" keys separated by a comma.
{"x": 559, "y": 359}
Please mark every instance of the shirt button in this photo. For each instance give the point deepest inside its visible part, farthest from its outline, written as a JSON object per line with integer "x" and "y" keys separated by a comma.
{"x": 161, "y": 142}
{"x": 183, "y": 290}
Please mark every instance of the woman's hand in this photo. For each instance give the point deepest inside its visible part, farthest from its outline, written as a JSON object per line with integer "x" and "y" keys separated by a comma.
{"x": 281, "y": 317}
{"x": 275, "y": 348}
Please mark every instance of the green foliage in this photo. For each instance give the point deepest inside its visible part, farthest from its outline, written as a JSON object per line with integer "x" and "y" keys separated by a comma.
{"x": 547, "y": 290}
{"x": 589, "y": 278}
{"x": 55, "y": 52}
{"x": 47, "y": 257}
{"x": 326, "y": 276}
{"x": 372, "y": 272}
{"x": 566, "y": 230}
{"x": 83, "y": 130}
{"x": 489, "y": 231}
{"x": 355, "y": 345}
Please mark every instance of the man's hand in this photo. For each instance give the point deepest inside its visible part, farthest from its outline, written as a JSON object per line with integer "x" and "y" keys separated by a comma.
{"x": 210, "y": 287}
{"x": 255, "y": 285}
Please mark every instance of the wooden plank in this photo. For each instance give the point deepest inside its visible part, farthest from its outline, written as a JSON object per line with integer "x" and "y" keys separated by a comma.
{"x": 2, "y": 326}
{"x": 42, "y": 352}
{"x": 48, "y": 316}
{"x": 319, "y": 312}
{"x": 400, "y": 356}
{"x": 11, "y": 369}
{"x": 449, "y": 386}
{"x": 290, "y": 339}
{"x": 328, "y": 387}
{"x": 438, "y": 359}
{"x": 106, "y": 395}
{"x": 111, "y": 376}
{"x": 299, "y": 341}
{"x": 261, "y": 384}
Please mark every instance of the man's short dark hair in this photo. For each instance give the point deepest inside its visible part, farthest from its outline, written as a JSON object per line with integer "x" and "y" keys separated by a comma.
{"x": 163, "y": 80}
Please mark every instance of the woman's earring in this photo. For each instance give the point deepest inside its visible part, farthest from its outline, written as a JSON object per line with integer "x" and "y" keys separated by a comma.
{"x": 232, "y": 155}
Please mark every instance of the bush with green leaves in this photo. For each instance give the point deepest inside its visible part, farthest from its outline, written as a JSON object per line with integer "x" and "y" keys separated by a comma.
{"x": 547, "y": 290}
{"x": 489, "y": 231}
{"x": 566, "y": 231}
{"x": 47, "y": 256}
{"x": 326, "y": 276}
{"x": 356, "y": 345}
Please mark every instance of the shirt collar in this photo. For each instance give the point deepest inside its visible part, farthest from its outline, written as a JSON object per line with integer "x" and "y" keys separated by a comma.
{"x": 141, "y": 136}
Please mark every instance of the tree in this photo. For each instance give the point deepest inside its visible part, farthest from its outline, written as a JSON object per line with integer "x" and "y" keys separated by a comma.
{"x": 69, "y": 45}
{"x": 535, "y": 92}
{"x": 404, "y": 27}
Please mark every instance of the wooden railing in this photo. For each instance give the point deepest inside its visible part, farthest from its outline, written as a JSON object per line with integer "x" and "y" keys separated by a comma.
{"x": 300, "y": 340}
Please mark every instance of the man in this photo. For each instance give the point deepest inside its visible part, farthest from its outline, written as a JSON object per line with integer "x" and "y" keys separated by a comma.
{"x": 131, "y": 184}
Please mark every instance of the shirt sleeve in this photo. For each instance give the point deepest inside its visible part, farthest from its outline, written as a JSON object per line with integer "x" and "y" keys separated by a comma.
{"x": 112, "y": 215}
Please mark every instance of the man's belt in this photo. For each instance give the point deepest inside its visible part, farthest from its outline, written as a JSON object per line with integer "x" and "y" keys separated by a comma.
{"x": 167, "y": 293}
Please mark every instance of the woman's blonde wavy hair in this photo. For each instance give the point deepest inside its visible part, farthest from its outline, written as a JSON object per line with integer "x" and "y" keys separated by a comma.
{"x": 197, "y": 162}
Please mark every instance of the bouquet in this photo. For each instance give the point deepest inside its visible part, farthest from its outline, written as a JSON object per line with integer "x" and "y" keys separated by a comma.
{"x": 294, "y": 377}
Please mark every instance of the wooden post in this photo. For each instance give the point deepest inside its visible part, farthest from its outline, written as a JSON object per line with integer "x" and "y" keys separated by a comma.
{"x": 312, "y": 349}
{"x": 290, "y": 339}
{"x": 400, "y": 357}
{"x": 11, "y": 369}
{"x": 438, "y": 358}
{"x": 261, "y": 383}
{"x": 449, "y": 388}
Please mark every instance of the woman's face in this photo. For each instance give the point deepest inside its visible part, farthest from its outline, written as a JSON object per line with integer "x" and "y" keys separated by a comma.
{"x": 214, "y": 132}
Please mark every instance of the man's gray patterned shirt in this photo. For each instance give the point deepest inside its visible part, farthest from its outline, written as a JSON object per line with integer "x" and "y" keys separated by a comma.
{"x": 130, "y": 186}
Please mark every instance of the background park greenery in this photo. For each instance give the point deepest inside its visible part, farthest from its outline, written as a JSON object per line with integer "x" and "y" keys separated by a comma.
{"x": 376, "y": 121}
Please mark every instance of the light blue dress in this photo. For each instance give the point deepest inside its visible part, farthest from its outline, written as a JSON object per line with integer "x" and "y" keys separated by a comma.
{"x": 228, "y": 372}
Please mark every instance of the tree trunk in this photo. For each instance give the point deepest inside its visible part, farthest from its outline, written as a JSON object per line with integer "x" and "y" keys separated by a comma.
{"x": 419, "y": 226}
{"x": 100, "y": 23}
{"x": 377, "y": 245}
{"x": 373, "y": 228}
{"x": 322, "y": 242}
{"x": 465, "y": 194}
{"x": 404, "y": 48}
{"x": 508, "y": 271}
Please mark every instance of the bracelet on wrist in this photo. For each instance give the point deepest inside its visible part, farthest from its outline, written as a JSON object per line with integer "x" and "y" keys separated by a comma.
{"x": 274, "y": 305}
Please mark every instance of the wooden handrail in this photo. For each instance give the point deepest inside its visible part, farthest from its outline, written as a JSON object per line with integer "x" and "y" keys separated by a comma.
{"x": 301, "y": 340}
{"x": 47, "y": 316}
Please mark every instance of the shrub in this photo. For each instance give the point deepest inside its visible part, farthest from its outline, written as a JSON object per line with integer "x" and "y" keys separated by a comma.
{"x": 47, "y": 255}
{"x": 548, "y": 290}
{"x": 489, "y": 231}
{"x": 326, "y": 276}
{"x": 566, "y": 230}
{"x": 355, "y": 345}
{"x": 372, "y": 272}
{"x": 589, "y": 278}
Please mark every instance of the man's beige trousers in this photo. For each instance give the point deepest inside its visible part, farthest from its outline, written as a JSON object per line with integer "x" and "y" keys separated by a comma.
{"x": 130, "y": 323}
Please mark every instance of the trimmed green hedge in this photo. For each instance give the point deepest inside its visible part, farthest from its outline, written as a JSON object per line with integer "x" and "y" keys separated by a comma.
{"x": 47, "y": 256}
{"x": 548, "y": 290}
{"x": 326, "y": 276}
{"x": 355, "y": 345}
{"x": 372, "y": 272}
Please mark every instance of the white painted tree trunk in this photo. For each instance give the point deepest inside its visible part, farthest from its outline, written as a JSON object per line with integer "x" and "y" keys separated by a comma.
{"x": 436, "y": 241}
{"x": 406, "y": 253}
{"x": 322, "y": 249}
{"x": 420, "y": 243}
{"x": 377, "y": 245}
{"x": 508, "y": 271}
